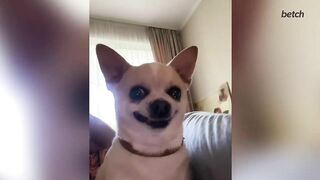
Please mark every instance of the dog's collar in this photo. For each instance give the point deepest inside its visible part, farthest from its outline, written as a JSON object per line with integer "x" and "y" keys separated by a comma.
{"x": 126, "y": 145}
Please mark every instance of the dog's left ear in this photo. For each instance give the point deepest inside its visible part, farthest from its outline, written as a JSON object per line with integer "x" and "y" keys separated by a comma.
{"x": 112, "y": 64}
{"x": 185, "y": 62}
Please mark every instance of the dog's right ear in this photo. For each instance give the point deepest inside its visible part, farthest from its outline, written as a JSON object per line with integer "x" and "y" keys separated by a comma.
{"x": 185, "y": 62}
{"x": 112, "y": 65}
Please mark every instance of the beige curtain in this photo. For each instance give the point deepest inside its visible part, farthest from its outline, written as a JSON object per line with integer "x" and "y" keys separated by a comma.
{"x": 166, "y": 44}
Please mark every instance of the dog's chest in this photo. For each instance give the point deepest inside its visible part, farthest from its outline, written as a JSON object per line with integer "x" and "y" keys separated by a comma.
{"x": 120, "y": 164}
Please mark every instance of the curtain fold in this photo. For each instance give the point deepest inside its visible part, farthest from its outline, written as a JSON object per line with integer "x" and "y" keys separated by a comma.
{"x": 166, "y": 44}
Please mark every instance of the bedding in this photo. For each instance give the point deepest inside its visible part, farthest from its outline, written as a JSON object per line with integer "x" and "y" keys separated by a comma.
{"x": 208, "y": 140}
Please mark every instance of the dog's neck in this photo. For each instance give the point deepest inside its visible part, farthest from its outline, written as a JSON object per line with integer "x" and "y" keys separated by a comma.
{"x": 126, "y": 145}
{"x": 156, "y": 144}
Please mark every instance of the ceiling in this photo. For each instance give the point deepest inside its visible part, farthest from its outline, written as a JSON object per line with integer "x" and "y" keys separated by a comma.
{"x": 170, "y": 14}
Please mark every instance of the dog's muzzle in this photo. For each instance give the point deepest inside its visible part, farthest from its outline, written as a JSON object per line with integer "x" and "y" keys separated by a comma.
{"x": 154, "y": 123}
{"x": 160, "y": 109}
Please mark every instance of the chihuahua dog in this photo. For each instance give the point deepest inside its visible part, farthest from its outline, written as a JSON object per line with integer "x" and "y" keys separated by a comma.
{"x": 150, "y": 103}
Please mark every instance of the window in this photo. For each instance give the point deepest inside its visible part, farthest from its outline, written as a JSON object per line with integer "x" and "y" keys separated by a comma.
{"x": 132, "y": 43}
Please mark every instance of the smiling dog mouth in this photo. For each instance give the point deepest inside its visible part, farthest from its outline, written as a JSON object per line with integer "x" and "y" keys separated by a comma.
{"x": 156, "y": 124}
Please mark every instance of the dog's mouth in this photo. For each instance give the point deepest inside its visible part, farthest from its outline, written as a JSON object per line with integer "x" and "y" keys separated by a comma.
{"x": 155, "y": 124}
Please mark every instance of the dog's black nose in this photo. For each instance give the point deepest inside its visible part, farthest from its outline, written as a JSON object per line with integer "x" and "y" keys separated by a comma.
{"x": 160, "y": 109}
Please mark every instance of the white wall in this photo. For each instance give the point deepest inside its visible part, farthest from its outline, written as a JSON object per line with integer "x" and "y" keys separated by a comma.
{"x": 210, "y": 29}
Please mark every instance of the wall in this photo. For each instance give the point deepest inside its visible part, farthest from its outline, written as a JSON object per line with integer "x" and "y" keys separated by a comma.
{"x": 209, "y": 28}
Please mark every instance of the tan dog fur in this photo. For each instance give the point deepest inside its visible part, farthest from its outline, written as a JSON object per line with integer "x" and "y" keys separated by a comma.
{"x": 120, "y": 164}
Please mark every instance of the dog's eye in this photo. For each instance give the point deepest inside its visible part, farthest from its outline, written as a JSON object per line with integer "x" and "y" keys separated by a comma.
{"x": 138, "y": 93}
{"x": 174, "y": 92}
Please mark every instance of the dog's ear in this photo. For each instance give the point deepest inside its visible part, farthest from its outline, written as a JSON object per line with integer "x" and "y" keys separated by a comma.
{"x": 185, "y": 62}
{"x": 112, "y": 65}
